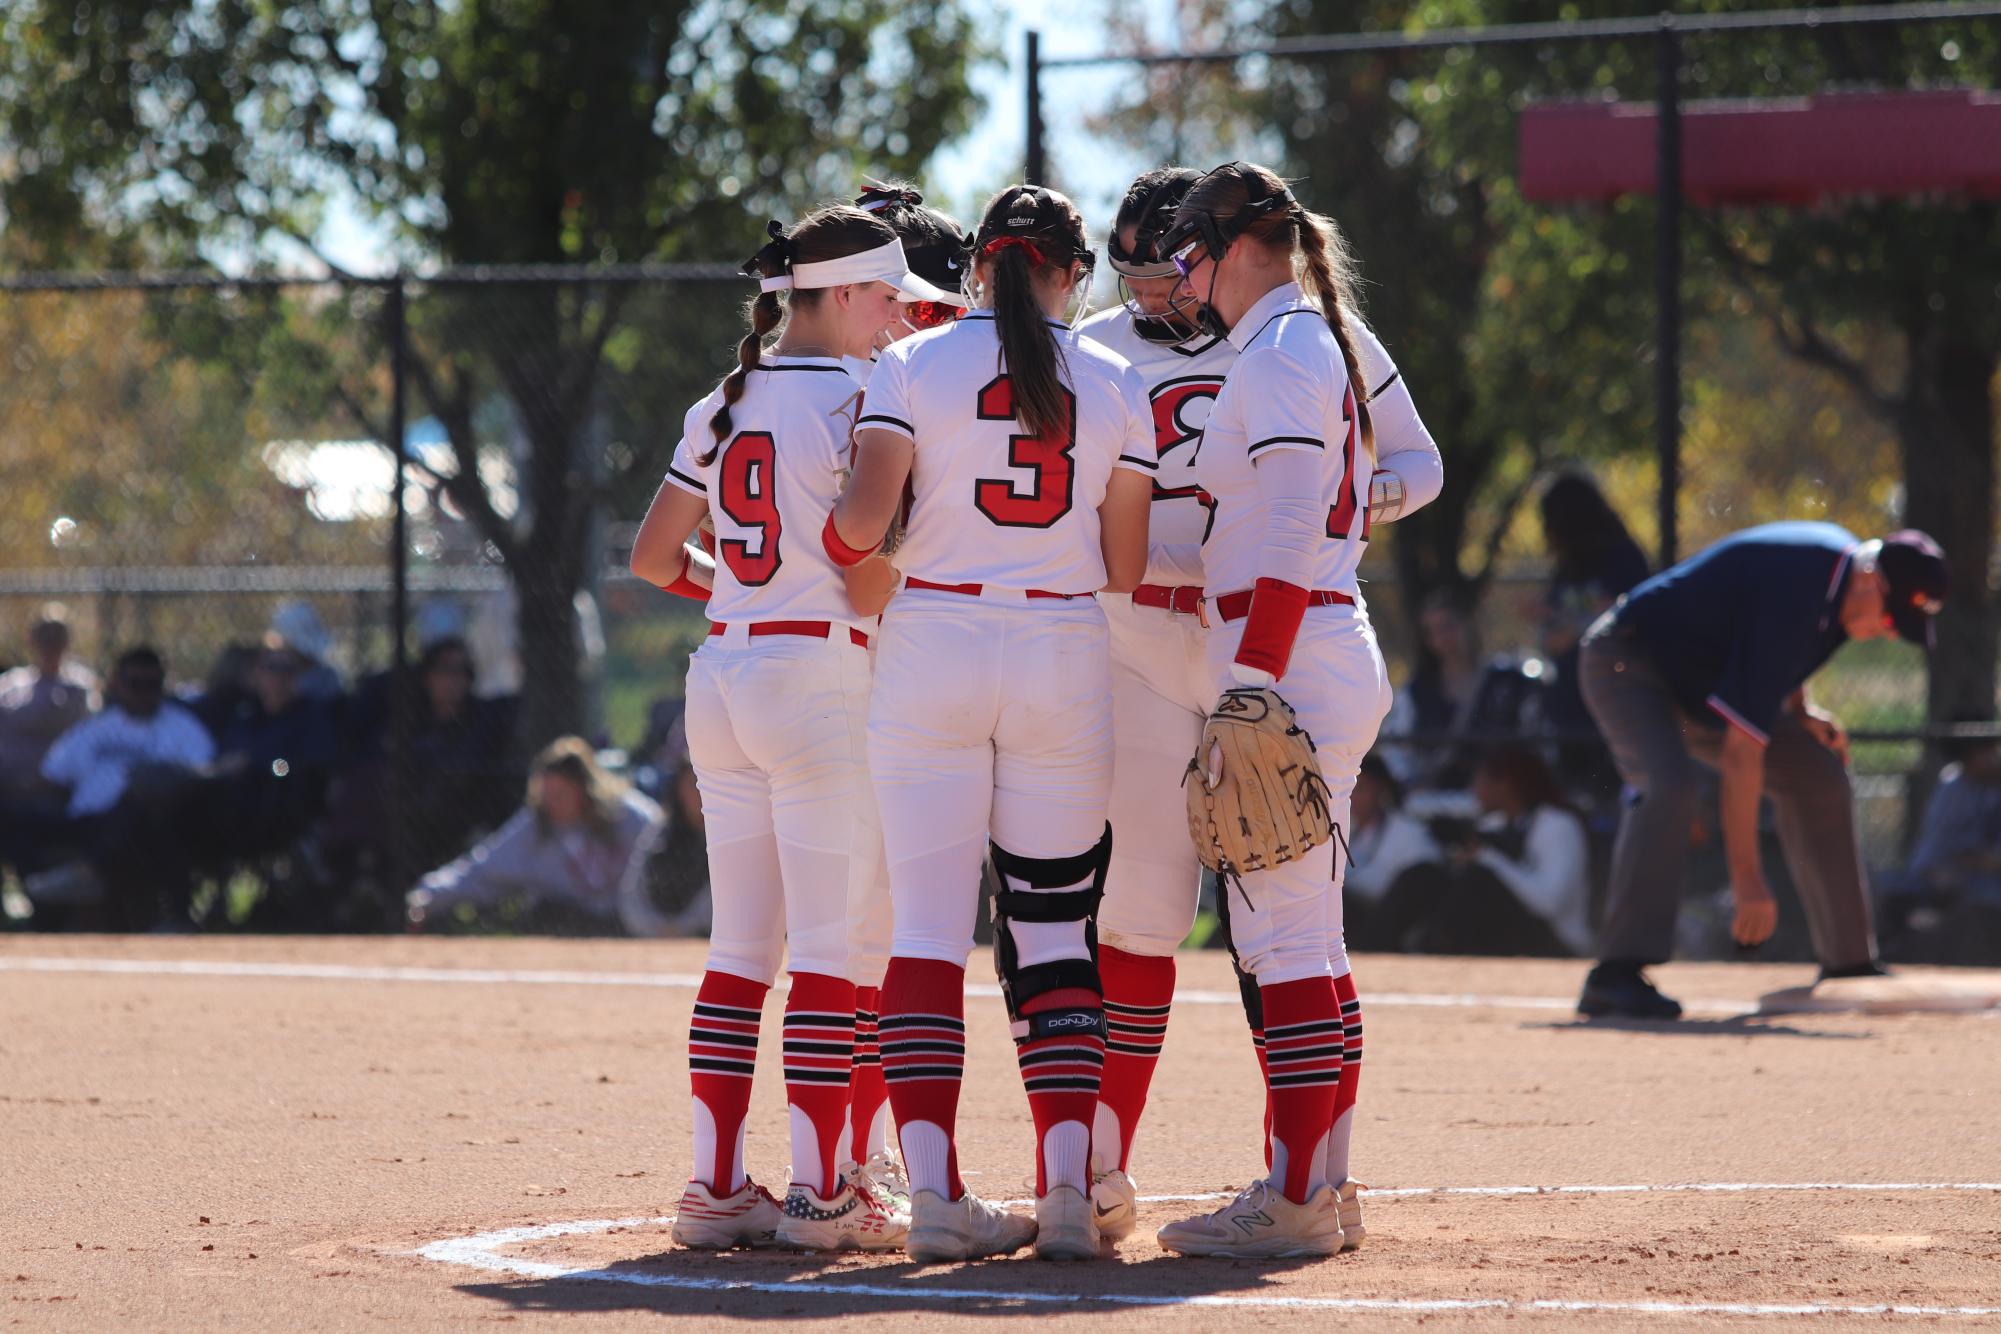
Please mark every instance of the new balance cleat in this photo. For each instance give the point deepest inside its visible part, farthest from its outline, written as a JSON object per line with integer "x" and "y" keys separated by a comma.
{"x": 705, "y": 1223}
{"x": 968, "y": 1228}
{"x": 852, "y": 1220}
{"x": 1261, "y": 1224}
{"x": 1348, "y": 1204}
{"x": 1065, "y": 1226}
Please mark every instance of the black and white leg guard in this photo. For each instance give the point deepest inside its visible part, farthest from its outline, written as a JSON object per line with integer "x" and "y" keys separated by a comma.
{"x": 1046, "y": 937}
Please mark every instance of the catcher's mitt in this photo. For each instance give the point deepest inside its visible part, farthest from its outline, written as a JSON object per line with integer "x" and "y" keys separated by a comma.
{"x": 1255, "y": 795}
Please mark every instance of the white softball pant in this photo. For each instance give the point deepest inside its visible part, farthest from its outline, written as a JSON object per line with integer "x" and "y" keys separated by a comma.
{"x": 777, "y": 732}
{"x": 1338, "y": 686}
{"x": 989, "y": 719}
{"x": 1161, "y": 691}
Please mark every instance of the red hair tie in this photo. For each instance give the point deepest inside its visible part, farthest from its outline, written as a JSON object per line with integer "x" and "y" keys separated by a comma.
{"x": 1029, "y": 249}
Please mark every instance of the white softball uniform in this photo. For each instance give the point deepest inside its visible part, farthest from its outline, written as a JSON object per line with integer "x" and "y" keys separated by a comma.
{"x": 1162, "y": 686}
{"x": 778, "y": 693}
{"x": 991, "y": 714}
{"x": 1287, "y": 403}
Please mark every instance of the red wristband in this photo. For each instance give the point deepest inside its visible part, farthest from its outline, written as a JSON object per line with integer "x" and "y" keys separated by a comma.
{"x": 1277, "y": 608}
{"x": 683, "y": 586}
{"x": 838, "y": 551}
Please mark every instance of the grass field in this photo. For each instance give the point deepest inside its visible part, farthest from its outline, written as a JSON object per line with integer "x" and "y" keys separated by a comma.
{"x": 339, "y": 1133}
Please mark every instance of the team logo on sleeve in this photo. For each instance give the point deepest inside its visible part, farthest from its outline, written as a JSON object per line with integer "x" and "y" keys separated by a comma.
{"x": 1180, "y": 411}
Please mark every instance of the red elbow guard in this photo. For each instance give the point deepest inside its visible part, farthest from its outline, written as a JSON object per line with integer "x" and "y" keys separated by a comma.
{"x": 840, "y": 552}
{"x": 683, "y": 586}
{"x": 1277, "y": 608}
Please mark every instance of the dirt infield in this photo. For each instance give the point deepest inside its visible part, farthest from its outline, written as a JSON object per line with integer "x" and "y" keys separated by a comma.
{"x": 334, "y": 1134}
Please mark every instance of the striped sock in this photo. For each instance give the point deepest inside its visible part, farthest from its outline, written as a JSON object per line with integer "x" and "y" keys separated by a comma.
{"x": 1351, "y": 1079}
{"x": 1139, "y": 989}
{"x": 923, "y": 1043}
{"x": 868, "y": 1127}
{"x": 819, "y": 1056}
{"x": 1062, "y": 1075}
{"x": 722, "y": 1056}
{"x": 1303, "y": 1058}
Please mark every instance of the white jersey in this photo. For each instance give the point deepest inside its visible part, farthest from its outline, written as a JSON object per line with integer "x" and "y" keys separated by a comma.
{"x": 1182, "y": 381}
{"x": 1288, "y": 390}
{"x": 990, "y": 504}
{"x": 770, "y": 488}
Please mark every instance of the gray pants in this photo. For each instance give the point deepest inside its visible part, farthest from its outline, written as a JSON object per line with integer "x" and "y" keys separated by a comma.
{"x": 1656, "y": 745}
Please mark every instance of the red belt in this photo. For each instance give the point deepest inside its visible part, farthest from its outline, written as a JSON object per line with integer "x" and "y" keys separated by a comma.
{"x": 810, "y": 629}
{"x": 1186, "y": 599}
{"x": 973, "y": 590}
{"x": 1235, "y": 606}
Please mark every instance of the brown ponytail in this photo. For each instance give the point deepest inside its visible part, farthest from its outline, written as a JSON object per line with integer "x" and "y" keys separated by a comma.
{"x": 1025, "y": 231}
{"x": 829, "y": 233}
{"x": 1329, "y": 277}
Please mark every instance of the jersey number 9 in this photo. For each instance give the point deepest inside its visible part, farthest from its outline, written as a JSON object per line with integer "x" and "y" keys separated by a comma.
{"x": 748, "y": 493}
{"x": 1048, "y": 454}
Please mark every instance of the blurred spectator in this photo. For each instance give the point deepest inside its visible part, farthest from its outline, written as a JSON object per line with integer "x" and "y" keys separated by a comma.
{"x": 1383, "y": 843}
{"x": 670, "y": 892}
{"x": 1518, "y": 880}
{"x": 124, "y": 769}
{"x": 1594, "y": 560}
{"x": 1953, "y": 878}
{"x": 1454, "y": 692}
{"x": 300, "y": 629}
{"x": 226, "y": 688}
{"x": 564, "y": 857}
{"x": 38, "y": 703}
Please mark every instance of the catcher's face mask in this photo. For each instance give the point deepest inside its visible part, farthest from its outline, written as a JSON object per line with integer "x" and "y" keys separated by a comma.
{"x": 1198, "y": 238}
{"x": 1149, "y": 284}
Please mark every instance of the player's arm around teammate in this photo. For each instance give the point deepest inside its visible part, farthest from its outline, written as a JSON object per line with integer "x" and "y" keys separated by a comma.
{"x": 1028, "y": 453}
{"x": 1287, "y": 458}
{"x": 777, "y": 705}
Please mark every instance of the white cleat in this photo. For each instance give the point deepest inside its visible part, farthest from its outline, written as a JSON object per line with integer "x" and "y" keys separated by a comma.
{"x": 883, "y": 1177}
{"x": 705, "y": 1223}
{"x": 1115, "y": 1201}
{"x": 852, "y": 1220}
{"x": 1064, "y": 1226}
{"x": 943, "y": 1231}
{"x": 1261, "y": 1224}
{"x": 1348, "y": 1201}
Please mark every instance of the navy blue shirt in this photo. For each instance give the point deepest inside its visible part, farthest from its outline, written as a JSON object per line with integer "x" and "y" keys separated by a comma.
{"x": 1740, "y": 625}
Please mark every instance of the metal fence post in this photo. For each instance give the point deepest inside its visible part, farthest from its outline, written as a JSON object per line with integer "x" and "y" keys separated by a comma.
{"x": 1667, "y": 285}
{"x": 1033, "y": 169}
{"x": 398, "y": 869}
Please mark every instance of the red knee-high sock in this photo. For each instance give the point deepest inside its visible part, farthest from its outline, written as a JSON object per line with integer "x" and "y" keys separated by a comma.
{"x": 1139, "y": 989}
{"x": 1303, "y": 1063}
{"x": 923, "y": 1041}
{"x": 722, "y": 1054}
{"x": 819, "y": 1057}
{"x": 1351, "y": 1079}
{"x": 867, "y": 1092}
{"x": 1062, "y": 1073}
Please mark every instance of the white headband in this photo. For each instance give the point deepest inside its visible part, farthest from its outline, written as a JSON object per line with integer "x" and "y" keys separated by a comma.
{"x": 884, "y": 264}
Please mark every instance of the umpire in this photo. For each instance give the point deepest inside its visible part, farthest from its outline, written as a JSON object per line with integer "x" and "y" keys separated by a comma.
{"x": 1708, "y": 661}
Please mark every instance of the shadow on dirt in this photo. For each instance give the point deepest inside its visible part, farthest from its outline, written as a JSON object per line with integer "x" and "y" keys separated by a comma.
{"x": 1737, "y": 1026}
{"x": 684, "y": 1283}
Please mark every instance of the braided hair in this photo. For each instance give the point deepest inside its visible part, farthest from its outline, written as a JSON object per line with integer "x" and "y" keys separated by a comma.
{"x": 1027, "y": 230}
{"x": 830, "y": 233}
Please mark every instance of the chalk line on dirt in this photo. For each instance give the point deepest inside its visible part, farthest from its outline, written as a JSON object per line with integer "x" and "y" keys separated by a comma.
{"x": 481, "y": 1252}
{"x": 337, "y": 972}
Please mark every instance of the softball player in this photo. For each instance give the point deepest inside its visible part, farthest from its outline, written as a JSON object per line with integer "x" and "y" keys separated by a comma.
{"x": 777, "y": 702}
{"x": 1286, "y": 458}
{"x": 1161, "y": 687}
{"x": 1029, "y": 453}
{"x": 939, "y": 251}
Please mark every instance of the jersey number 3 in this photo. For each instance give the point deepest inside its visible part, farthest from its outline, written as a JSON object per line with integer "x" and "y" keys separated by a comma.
{"x": 1048, "y": 454}
{"x": 749, "y": 497}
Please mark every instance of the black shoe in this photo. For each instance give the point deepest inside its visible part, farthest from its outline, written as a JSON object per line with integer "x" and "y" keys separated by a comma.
{"x": 1615, "y": 990}
{"x": 1869, "y": 969}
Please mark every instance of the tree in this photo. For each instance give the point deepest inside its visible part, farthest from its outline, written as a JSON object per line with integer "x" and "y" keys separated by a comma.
{"x": 486, "y": 132}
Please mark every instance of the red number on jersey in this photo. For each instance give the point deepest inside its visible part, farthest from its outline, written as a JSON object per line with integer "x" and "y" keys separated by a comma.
{"x": 1174, "y": 402}
{"x": 1341, "y": 519}
{"x": 749, "y": 496}
{"x": 1048, "y": 455}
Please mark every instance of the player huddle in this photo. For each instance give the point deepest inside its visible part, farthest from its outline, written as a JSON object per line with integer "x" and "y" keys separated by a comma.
{"x": 979, "y": 578}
